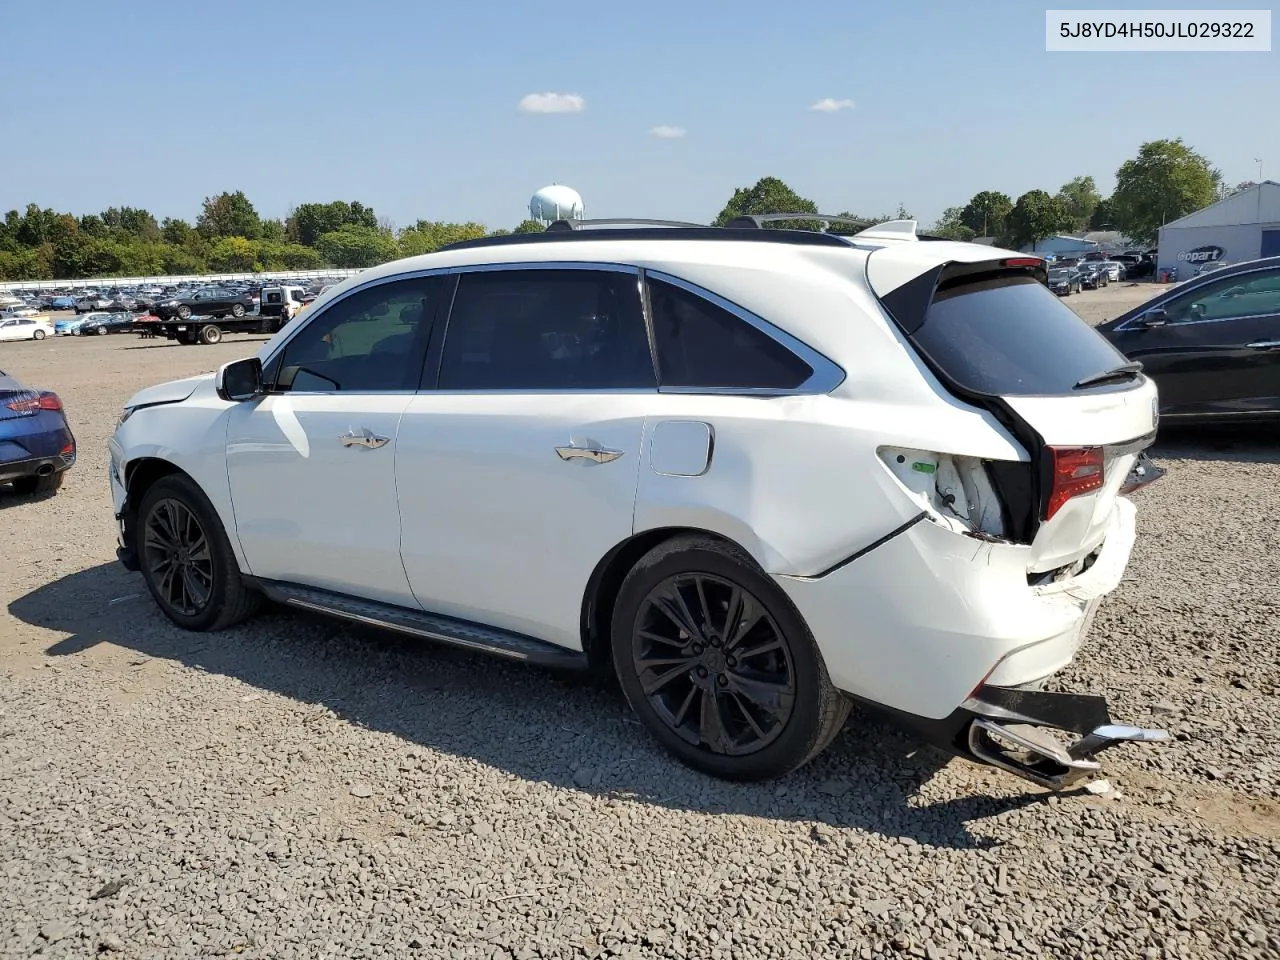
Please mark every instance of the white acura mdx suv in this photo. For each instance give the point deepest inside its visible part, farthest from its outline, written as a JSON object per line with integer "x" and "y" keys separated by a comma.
{"x": 757, "y": 474}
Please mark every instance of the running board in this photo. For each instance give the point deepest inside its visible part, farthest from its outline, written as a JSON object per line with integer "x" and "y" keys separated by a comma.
{"x": 428, "y": 626}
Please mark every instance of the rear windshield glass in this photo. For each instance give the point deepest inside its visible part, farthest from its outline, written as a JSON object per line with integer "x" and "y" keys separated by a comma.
{"x": 1011, "y": 337}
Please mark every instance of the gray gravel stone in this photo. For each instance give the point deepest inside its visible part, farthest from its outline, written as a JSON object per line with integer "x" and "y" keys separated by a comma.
{"x": 520, "y": 814}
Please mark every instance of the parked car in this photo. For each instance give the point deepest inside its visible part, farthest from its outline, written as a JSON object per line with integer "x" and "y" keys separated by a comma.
{"x": 1092, "y": 275}
{"x": 68, "y": 325}
{"x": 13, "y": 310}
{"x": 92, "y": 302}
{"x": 104, "y": 323}
{"x": 1212, "y": 344}
{"x": 1115, "y": 270}
{"x": 36, "y": 445}
{"x": 26, "y": 328}
{"x": 744, "y": 495}
{"x": 64, "y": 303}
{"x": 216, "y": 302}
{"x": 1065, "y": 281}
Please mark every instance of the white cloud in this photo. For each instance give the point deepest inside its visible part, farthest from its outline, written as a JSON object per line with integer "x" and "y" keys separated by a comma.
{"x": 666, "y": 132}
{"x": 831, "y": 105}
{"x": 552, "y": 103}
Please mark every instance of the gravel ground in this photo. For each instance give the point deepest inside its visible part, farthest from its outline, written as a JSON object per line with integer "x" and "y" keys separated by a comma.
{"x": 296, "y": 788}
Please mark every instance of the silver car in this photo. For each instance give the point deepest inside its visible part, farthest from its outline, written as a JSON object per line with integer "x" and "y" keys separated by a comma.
{"x": 1115, "y": 270}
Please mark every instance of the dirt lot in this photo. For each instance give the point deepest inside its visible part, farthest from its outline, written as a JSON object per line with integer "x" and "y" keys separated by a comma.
{"x": 296, "y": 788}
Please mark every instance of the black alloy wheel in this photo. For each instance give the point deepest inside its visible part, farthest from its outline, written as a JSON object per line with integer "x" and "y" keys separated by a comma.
{"x": 186, "y": 559}
{"x": 718, "y": 664}
{"x": 713, "y": 665}
{"x": 178, "y": 558}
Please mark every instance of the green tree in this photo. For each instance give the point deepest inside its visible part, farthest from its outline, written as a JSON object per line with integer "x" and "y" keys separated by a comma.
{"x": 986, "y": 212}
{"x": 952, "y": 226}
{"x": 1036, "y": 216}
{"x": 353, "y": 246}
{"x": 176, "y": 232}
{"x": 1103, "y": 216}
{"x": 1165, "y": 181}
{"x": 273, "y": 230}
{"x": 528, "y": 226}
{"x": 308, "y": 222}
{"x": 229, "y": 215}
{"x": 233, "y": 254}
{"x": 131, "y": 221}
{"x": 1080, "y": 197}
{"x": 769, "y": 195}
{"x": 427, "y": 236}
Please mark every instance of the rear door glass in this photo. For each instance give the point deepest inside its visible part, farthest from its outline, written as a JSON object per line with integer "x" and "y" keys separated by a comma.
{"x": 1011, "y": 337}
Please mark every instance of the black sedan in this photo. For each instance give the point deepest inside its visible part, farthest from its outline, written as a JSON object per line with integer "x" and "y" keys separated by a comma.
{"x": 105, "y": 323}
{"x": 214, "y": 302}
{"x": 1065, "y": 281}
{"x": 1212, "y": 344}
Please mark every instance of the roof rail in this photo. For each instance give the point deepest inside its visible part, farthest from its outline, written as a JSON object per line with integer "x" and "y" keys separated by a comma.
{"x": 619, "y": 222}
{"x": 569, "y": 233}
{"x": 756, "y": 221}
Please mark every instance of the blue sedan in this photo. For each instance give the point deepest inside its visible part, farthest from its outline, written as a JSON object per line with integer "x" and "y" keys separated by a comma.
{"x": 36, "y": 445}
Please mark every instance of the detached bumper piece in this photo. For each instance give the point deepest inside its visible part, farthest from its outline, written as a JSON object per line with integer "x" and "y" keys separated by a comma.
{"x": 1144, "y": 472}
{"x": 1010, "y": 729}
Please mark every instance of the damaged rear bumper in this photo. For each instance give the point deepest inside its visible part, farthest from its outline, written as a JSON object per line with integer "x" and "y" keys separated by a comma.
{"x": 1052, "y": 739}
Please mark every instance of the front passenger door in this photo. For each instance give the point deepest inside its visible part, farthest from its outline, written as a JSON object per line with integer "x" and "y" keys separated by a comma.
{"x": 312, "y": 464}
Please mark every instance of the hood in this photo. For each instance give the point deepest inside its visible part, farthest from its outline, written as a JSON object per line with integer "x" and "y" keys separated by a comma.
{"x": 174, "y": 391}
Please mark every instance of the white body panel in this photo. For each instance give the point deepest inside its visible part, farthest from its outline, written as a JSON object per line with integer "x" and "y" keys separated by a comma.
{"x": 497, "y": 527}
{"x": 309, "y": 509}
{"x": 469, "y": 511}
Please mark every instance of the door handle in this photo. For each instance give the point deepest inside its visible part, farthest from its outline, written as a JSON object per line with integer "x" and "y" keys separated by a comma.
{"x": 366, "y": 438}
{"x": 1263, "y": 344}
{"x": 594, "y": 454}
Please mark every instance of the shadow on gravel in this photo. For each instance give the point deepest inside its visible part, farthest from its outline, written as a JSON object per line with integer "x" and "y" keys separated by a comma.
{"x": 1252, "y": 443}
{"x": 540, "y": 726}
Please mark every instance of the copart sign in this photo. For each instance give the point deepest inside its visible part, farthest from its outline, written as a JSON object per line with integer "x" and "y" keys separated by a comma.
{"x": 1207, "y": 254}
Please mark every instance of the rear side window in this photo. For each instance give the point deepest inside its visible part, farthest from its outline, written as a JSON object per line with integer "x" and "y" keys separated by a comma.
{"x": 701, "y": 344}
{"x": 1011, "y": 337}
{"x": 546, "y": 330}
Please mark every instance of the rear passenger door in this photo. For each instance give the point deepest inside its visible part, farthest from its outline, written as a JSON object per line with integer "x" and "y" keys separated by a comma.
{"x": 517, "y": 473}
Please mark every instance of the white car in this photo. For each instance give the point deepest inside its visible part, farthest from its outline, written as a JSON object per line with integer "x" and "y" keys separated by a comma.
{"x": 26, "y": 328}
{"x": 1115, "y": 270}
{"x": 11, "y": 311}
{"x": 758, "y": 474}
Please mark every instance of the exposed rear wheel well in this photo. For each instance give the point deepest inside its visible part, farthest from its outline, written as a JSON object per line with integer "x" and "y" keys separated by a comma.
{"x": 602, "y": 589}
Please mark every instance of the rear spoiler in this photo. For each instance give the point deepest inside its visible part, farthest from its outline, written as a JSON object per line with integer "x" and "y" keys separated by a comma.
{"x": 908, "y": 301}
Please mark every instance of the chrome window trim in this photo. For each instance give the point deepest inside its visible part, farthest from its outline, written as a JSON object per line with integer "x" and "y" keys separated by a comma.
{"x": 826, "y": 375}
{"x": 1134, "y": 322}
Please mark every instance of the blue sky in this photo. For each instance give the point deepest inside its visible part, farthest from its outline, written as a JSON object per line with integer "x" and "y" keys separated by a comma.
{"x": 413, "y": 107}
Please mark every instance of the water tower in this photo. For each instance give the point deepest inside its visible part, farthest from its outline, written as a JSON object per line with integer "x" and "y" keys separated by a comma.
{"x": 556, "y": 202}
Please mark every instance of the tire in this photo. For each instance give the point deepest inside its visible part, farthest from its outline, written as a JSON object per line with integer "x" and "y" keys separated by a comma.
{"x": 101, "y": 331}
{"x": 184, "y": 312}
{"x": 37, "y": 335}
{"x": 755, "y": 745}
{"x": 208, "y": 594}
{"x": 210, "y": 334}
{"x": 237, "y": 310}
{"x": 38, "y": 485}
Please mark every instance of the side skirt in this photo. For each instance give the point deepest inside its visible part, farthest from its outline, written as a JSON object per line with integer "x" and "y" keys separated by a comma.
{"x": 427, "y": 626}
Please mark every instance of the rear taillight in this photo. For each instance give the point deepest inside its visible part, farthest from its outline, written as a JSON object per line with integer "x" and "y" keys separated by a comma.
{"x": 1076, "y": 471}
{"x": 36, "y": 402}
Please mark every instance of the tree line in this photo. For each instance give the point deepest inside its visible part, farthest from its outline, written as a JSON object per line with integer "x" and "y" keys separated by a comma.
{"x": 1166, "y": 180}
{"x": 228, "y": 236}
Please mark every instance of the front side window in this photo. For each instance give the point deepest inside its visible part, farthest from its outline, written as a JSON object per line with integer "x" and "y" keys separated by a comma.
{"x": 546, "y": 330}
{"x": 1250, "y": 295}
{"x": 701, "y": 344}
{"x": 374, "y": 339}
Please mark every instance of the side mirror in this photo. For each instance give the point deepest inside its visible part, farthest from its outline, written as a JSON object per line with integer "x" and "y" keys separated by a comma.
{"x": 1155, "y": 318}
{"x": 239, "y": 380}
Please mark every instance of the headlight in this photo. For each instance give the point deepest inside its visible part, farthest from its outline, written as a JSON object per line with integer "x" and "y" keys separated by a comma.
{"x": 125, "y": 414}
